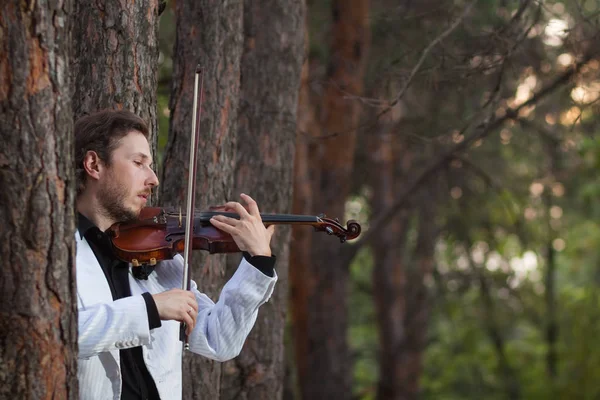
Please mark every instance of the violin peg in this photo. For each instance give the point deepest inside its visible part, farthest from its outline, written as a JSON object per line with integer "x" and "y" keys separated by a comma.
{"x": 152, "y": 261}
{"x": 135, "y": 262}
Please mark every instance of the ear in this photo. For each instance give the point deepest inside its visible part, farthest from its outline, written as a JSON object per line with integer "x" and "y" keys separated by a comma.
{"x": 93, "y": 165}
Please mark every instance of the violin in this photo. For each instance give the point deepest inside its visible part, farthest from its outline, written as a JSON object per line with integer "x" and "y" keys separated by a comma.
{"x": 158, "y": 233}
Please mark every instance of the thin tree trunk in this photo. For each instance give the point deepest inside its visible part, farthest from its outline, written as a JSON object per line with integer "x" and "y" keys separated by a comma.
{"x": 389, "y": 270}
{"x": 270, "y": 79}
{"x": 115, "y": 63}
{"x": 208, "y": 33}
{"x": 494, "y": 330}
{"x": 38, "y": 334}
{"x": 550, "y": 292}
{"x": 409, "y": 356}
{"x": 399, "y": 273}
{"x": 328, "y": 367}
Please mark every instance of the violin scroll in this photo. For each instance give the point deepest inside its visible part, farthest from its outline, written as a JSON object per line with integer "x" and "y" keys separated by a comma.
{"x": 333, "y": 227}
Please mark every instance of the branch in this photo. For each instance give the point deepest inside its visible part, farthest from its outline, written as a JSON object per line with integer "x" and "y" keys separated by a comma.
{"x": 481, "y": 132}
{"x": 413, "y": 72}
{"x": 426, "y": 52}
{"x": 544, "y": 133}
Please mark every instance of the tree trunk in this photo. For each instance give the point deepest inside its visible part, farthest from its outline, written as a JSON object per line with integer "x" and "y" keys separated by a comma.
{"x": 550, "y": 294}
{"x": 115, "y": 63}
{"x": 38, "y": 334}
{"x": 326, "y": 373}
{"x": 400, "y": 271}
{"x": 409, "y": 356}
{"x": 300, "y": 254}
{"x": 208, "y": 33}
{"x": 389, "y": 269}
{"x": 270, "y": 79}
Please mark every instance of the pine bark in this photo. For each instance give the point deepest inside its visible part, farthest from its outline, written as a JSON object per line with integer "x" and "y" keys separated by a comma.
{"x": 325, "y": 369}
{"x": 300, "y": 255}
{"x": 115, "y": 63}
{"x": 208, "y": 33}
{"x": 270, "y": 80}
{"x": 38, "y": 334}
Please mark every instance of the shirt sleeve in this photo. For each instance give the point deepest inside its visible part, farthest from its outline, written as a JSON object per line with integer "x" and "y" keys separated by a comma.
{"x": 264, "y": 264}
{"x": 153, "y": 316}
{"x": 222, "y": 327}
{"x": 112, "y": 326}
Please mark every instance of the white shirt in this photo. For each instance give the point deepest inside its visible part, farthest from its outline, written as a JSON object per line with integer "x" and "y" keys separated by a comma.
{"x": 107, "y": 325}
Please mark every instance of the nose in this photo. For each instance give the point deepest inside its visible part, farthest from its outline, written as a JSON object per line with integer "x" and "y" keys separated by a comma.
{"x": 152, "y": 179}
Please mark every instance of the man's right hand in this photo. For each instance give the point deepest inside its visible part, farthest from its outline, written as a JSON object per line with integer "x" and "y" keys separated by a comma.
{"x": 179, "y": 305}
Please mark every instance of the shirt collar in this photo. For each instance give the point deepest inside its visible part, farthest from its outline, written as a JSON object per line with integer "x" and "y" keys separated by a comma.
{"x": 84, "y": 225}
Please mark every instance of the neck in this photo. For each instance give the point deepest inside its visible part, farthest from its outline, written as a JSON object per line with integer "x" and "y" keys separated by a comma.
{"x": 88, "y": 205}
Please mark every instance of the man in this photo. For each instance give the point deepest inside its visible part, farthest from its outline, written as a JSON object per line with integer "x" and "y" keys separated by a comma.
{"x": 129, "y": 323}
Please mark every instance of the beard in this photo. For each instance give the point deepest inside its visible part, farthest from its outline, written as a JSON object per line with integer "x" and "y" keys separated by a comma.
{"x": 112, "y": 197}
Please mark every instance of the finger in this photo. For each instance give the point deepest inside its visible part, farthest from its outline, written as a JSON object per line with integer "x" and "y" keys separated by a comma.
{"x": 252, "y": 206}
{"x": 190, "y": 295}
{"x": 189, "y": 327}
{"x": 194, "y": 305}
{"x": 223, "y": 226}
{"x": 194, "y": 319}
{"x": 193, "y": 315}
{"x": 271, "y": 231}
{"x": 189, "y": 322}
{"x": 227, "y": 220}
{"x": 238, "y": 208}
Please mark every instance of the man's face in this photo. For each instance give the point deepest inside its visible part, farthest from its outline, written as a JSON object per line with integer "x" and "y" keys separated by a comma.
{"x": 127, "y": 182}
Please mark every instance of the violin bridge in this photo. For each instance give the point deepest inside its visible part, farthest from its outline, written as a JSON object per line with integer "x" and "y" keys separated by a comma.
{"x": 180, "y": 217}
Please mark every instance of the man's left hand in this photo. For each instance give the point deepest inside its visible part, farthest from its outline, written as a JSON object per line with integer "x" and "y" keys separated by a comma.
{"x": 248, "y": 232}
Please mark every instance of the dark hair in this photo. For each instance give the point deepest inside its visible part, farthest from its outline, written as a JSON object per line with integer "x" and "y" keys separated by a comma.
{"x": 101, "y": 132}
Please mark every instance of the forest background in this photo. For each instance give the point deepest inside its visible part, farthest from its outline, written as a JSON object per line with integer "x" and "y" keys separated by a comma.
{"x": 462, "y": 135}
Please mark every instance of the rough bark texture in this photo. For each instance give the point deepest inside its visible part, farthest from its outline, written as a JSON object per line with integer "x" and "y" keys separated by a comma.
{"x": 325, "y": 372}
{"x": 300, "y": 255}
{"x": 209, "y": 33}
{"x": 115, "y": 63}
{"x": 38, "y": 334}
{"x": 270, "y": 79}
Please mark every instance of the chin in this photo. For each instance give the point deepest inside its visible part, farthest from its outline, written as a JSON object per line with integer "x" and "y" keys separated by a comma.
{"x": 132, "y": 214}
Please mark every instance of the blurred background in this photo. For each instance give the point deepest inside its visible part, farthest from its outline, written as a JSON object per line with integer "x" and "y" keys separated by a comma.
{"x": 463, "y": 137}
{"x": 472, "y": 150}
{"x": 476, "y": 123}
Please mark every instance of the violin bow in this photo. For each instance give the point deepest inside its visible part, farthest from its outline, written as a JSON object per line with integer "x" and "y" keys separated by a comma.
{"x": 191, "y": 191}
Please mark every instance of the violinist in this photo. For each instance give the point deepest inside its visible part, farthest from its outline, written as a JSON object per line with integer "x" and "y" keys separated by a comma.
{"x": 129, "y": 319}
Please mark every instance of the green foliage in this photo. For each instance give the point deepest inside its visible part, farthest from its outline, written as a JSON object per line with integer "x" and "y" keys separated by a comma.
{"x": 165, "y": 60}
{"x": 580, "y": 322}
{"x": 522, "y": 203}
{"x": 527, "y": 190}
{"x": 362, "y": 335}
